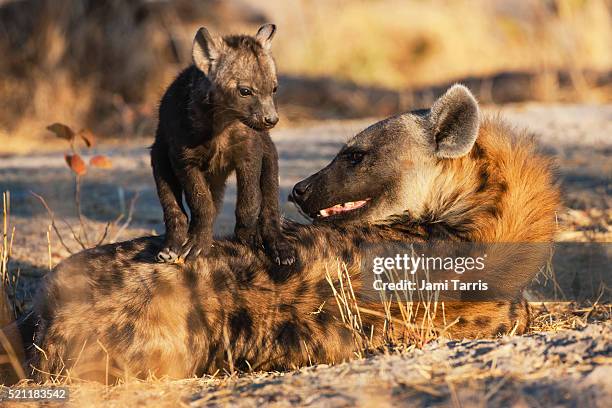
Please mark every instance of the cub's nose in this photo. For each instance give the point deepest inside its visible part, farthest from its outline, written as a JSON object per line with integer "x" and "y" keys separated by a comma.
{"x": 271, "y": 120}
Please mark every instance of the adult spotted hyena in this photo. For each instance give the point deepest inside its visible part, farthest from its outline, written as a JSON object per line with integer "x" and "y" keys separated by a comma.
{"x": 444, "y": 173}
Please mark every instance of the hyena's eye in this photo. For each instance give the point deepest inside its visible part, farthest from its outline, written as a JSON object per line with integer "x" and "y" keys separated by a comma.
{"x": 275, "y": 89}
{"x": 245, "y": 91}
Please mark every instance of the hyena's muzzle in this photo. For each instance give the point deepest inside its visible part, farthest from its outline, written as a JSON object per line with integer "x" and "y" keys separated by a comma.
{"x": 390, "y": 168}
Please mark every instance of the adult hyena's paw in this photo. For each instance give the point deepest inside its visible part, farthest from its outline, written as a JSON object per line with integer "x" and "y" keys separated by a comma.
{"x": 281, "y": 252}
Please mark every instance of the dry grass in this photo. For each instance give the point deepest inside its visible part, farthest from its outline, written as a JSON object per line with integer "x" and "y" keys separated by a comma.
{"x": 8, "y": 282}
{"x": 413, "y": 327}
{"x": 557, "y": 316}
{"x": 416, "y": 325}
{"x": 10, "y": 359}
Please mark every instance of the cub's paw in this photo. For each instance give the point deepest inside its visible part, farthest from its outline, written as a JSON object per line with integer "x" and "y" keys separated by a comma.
{"x": 166, "y": 255}
{"x": 282, "y": 252}
{"x": 195, "y": 247}
{"x": 247, "y": 236}
{"x": 170, "y": 251}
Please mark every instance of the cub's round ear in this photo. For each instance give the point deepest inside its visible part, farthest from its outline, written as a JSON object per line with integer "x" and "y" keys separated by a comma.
{"x": 265, "y": 34}
{"x": 206, "y": 50}
{"x": 454, "y": 120}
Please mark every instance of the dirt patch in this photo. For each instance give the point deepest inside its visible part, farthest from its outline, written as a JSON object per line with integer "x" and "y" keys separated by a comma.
{"x": 566, "y": 368}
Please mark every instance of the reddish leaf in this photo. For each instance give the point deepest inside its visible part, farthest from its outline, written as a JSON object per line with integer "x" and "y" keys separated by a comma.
{"x": 76, "y": 164}
{"x": 88, "y": 137}
{"x": 101, "y": 162}
{"x": 62, "y": 131}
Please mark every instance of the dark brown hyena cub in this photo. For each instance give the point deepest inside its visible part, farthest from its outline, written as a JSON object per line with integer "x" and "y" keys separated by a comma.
{"x": 213, "y": 120}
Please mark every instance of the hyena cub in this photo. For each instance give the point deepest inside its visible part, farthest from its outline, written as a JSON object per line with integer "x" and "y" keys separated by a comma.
{"x": 213, "y": 120}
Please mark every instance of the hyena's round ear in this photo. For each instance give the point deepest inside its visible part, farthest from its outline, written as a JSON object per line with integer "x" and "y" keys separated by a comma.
{"x": 454, "y": 119}
{"x": 206, "y": 50}
{"x": 265, "y": 34}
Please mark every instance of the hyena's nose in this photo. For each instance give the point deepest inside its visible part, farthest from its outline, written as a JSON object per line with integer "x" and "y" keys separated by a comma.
{"x": 300, "y": 191}
{"x": 271, "y": 120}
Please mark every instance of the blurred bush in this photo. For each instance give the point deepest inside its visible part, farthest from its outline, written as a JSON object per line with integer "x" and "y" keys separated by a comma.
{"x": 104, "y": 64}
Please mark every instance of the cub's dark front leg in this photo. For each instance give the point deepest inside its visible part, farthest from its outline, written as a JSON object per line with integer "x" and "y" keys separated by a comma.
{"x": 275, "y": 243}
{"x": 248, "y": 203}
{"x": 171, "y": 197}
{"x": 201, "y": 204}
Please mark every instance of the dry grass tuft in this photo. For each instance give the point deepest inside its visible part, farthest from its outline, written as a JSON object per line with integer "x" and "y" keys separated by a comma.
{"x": 9, "y": 280}
{"x": 415, "y": 327}
{"x": 10, "y": 359}
{"x": 557, "y": 316}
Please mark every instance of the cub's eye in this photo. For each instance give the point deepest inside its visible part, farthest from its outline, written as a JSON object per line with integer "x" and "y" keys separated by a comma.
{"x": 245, "y": 91}
{"x": 355, "y": 157}
{"x": 275, "y": 89}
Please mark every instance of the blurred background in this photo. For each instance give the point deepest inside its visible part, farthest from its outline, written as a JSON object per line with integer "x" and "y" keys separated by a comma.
{"x": 103, "y": 64}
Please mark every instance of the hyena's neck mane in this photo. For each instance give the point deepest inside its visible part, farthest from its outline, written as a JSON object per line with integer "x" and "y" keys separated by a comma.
{"x": 502, "y": 191}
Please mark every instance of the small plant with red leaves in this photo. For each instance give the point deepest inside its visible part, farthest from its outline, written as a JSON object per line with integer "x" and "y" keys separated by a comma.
{"x": 79, "y": 167}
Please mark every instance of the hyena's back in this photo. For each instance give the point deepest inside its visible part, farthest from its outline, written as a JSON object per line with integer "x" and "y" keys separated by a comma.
{"x": 116, "y": 301}
{"x": 112, "y": 299}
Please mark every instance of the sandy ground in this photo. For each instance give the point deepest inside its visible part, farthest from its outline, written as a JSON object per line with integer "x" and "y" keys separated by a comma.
{"x": 567, "y": 368}
{"x": 571, "y": 367}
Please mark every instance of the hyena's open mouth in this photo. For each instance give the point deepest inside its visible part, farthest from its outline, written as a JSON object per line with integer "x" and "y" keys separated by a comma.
{"x": 341, "y": 209}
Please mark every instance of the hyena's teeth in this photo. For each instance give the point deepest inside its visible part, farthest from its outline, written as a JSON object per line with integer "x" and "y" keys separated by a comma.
{"x": 350, "y": 204}
{"x": 324, "y": 213}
